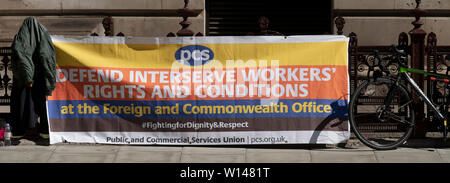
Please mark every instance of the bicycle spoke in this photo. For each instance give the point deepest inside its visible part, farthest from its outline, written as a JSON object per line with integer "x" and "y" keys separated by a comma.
{"x": 399, "y": 119}
{"x": 405, "y": 104}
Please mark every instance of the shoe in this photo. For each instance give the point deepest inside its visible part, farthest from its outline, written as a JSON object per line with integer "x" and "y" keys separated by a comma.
{"x": 31, "y": 134}
{"x": 17, "y": 136}
{"x": 44, "y": 136}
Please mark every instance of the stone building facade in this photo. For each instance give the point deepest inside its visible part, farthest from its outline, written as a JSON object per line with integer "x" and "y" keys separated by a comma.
{"x": 379, "y": 22}
{"x": 376, "y": 22}
{"x": 84, "y": 17}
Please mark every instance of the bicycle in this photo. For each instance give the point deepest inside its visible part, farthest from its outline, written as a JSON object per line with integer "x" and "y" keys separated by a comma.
{"x": 392, "y": 108}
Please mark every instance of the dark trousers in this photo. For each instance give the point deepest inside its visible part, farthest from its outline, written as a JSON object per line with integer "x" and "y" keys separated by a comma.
{"x": 27, "y": 104}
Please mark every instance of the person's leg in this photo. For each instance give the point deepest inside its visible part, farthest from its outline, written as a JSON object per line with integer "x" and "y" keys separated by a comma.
{"x": 43, "y": 121}
{"x": 40, "y": 106}
{"x": 30, "y": 116}
{"x": 22, "y": 111}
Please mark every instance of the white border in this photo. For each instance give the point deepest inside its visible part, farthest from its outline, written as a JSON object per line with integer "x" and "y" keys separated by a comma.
{"x": 199, "y": 40}
{"x": 292, "y": 137}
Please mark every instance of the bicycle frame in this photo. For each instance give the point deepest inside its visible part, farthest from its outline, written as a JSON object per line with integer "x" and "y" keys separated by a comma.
{"x": 403, "y": 72}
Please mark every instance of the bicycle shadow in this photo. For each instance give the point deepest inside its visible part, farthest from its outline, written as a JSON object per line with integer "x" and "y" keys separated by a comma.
{"x": 338, "y": 116}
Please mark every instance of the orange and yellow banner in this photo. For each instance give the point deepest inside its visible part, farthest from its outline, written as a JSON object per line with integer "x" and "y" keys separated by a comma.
{"x": 206, "y": 90}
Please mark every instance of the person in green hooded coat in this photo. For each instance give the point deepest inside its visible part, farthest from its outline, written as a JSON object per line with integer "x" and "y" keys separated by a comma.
{"x": 34, "y": 69}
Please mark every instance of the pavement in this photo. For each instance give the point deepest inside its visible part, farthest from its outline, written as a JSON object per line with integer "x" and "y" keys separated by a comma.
{"x": 426, "y": 150}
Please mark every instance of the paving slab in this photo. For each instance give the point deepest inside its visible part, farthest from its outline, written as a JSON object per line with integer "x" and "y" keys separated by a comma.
{"x": 31, "y": 152}
{"x": 214, "y": 150}
{"x": 25, "y": 154}
{"x": 278, "y": 156}
{"x": 148, "y": 157}
{"x": 343, "y": 156}
{"x": 444, "y": 154}
{"x": 409, "y": 155}
{"x": 80, "y": 149}
{"x": 84, "y": 154}
{"x": 82, "y": 158}
{"x": 212, "y": 155}
{"x": 212, "y": 158}
{"x": 148, "y": 154}
{"x": 27, "y": 148}
{"x": 150, "y": 148}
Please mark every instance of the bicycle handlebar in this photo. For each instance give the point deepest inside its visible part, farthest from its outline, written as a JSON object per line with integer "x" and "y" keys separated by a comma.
{"x": 398, "y": 56}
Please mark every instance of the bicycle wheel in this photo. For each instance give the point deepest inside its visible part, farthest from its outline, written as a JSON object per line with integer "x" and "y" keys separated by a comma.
{"x": 373, "y": 125}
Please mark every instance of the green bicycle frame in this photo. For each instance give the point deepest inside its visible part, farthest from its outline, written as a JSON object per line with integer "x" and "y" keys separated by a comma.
{"x": 403, "y": 71}
{"x": 417, "y": 71}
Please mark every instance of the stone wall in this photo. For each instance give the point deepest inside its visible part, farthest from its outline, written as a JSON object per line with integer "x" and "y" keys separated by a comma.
{"x": 83, "y": 17}
{"x": 379, "y": 22}
{"x": 376, "y": 22}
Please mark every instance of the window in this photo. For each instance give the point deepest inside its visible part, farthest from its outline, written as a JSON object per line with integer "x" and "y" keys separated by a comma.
{"x": 238, "y": 17}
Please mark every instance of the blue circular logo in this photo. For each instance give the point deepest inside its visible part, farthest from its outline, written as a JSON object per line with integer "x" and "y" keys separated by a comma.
{"x": 194, "y": 55}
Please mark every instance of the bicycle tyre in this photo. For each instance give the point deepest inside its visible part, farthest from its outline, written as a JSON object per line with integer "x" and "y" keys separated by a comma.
{"x": 372, "y": 135}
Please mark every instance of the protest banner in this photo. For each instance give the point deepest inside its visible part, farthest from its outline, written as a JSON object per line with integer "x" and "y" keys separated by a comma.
{"x": 200, "y": 90}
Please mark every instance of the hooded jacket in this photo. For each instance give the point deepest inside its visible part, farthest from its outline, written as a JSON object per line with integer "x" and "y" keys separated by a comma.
{"x": 33, "y": 57}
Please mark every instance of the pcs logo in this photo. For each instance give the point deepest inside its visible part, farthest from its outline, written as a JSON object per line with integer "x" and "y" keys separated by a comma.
{"x": 194, "y": 55}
